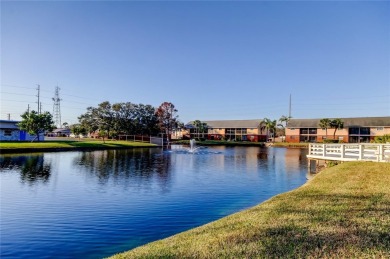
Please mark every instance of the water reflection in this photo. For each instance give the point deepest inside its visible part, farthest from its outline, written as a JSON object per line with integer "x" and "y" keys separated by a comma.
{"x": 95, "y": 204}
{"x": 33, "y": 168}
{"x": 122, "y": 165}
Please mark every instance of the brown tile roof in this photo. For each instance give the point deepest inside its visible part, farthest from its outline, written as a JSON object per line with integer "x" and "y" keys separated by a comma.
{"x": 348, "y": 122}
{"x": 232, "y": 123}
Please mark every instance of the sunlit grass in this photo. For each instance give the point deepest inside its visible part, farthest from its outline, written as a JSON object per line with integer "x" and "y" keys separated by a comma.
{"x": 294, "y": 145}
{"x": 344, "y": 212}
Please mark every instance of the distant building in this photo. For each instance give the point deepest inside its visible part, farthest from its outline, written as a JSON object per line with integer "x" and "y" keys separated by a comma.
{"x": 355, "y": 130}
{"x": 9, "y": 131}
{"x": 60, "y": 133}
{"x": 234, "y": 130}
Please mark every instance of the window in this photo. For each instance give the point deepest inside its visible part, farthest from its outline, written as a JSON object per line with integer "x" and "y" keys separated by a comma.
{"x": 308, "y": 131}
{"x": 230, "y": 131}
{"x": 353, "y": 131}
{"x": 304, "y": 131}
{"x": 364, "y": 131}
{"x": 379, "y": 128}
{"x": 7, "y": 132}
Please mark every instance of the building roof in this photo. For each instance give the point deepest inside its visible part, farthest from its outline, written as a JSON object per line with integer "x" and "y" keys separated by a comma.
{"x": 230, "y": 123}
{"x": 348, "y": 122}
{"x": 61, "y": 130}
{"x": 6, "y": 124}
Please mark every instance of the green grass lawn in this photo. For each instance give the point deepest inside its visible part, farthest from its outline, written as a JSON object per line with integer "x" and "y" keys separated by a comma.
{"x": 71, "y": 144}
{"x": 241, "y": 143}
{"x": 292, "y": 145}
{"x": 343, "y": 212}
{"x": 219, "y": 142}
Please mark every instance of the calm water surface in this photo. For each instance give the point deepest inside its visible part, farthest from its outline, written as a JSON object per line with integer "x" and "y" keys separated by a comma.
{"x": 95, "y": 204}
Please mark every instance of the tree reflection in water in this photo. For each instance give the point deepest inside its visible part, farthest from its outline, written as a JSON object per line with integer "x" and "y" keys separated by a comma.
{"x": 32, "y": 168}
{"x": 121, "y": 166}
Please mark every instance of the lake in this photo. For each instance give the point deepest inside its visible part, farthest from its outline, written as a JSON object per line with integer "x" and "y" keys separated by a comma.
{"x": 95, "y": 204}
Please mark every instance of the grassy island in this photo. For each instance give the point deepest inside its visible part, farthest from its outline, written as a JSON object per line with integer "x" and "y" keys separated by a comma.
{"x": 343, "y": 212}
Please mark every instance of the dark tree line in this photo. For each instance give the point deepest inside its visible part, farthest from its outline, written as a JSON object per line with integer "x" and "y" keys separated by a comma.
{"x": 110, "y": 120}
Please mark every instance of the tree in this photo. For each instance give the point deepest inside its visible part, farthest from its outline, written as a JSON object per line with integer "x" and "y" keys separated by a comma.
{"x": 100, "y": 118}
{"x": 325, "y": 124}
{"x": 121, "y": 118}
{"x": 203, "y": 128}
{"x": 167, "y": 118}
{"x": 65, "y": 125}
{"x": 200, "y": 128}
{"x": 34, "y": 123}
{"x": 197, "y": 125}
{"x": 146, "y": 119}
{"x": 77, "y": 130}
{"x": 284, "y": 119}
{"x": 336, "y": 124}
{"x": 262, "y": 127}
{"x": 270, "y": 125}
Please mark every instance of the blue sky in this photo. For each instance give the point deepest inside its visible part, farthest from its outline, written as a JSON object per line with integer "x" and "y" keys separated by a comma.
{"x": 212, "y": 59}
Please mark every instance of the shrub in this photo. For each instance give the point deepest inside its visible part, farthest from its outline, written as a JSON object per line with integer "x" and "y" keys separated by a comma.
{"x": 382, "y": 139}
{"x": 331, "y": 141}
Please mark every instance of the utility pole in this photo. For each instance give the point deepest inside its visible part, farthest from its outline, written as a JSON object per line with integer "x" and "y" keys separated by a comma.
{"x": 39, "y": 89}
{"x": 57, "y": 107}
{"x": 289, "y": 108}
{"x": 28, "y": 108}
{"x": 9, "y": 116}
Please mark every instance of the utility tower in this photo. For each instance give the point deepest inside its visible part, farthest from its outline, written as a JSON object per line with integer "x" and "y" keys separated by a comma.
{"x": 57, "y": 107}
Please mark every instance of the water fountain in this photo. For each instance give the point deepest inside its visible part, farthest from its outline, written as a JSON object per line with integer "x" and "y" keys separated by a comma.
{"x": 192, "y": 146}
{"x": 193, "y": 149}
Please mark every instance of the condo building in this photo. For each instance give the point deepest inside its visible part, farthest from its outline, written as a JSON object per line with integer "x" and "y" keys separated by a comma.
{"x": 355, "y": 130}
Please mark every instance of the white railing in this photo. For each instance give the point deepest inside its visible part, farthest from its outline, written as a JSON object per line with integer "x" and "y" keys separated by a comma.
{"x": 350, "y": 152}
{"x": 140, "y": 138}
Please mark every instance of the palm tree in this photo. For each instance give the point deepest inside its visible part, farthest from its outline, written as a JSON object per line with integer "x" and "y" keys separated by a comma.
{"x": 270, "y": 125}
{"x": 197, "y": 124}
{"x": 336, "y": 124}
{"x": 203, "y": 128}
{"x": 325, "y": 124}
{"x": 284, "y": 119}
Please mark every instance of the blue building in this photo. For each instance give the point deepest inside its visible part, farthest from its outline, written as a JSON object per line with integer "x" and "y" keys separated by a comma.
{"x": 10, "y": 131}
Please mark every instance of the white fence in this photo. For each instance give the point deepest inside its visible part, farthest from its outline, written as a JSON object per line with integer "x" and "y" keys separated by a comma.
{"x": 146, "y": 139}
{"x": 350, "y": 152}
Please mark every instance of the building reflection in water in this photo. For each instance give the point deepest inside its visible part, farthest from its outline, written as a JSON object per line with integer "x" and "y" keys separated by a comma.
{"x": 32, "y": 168}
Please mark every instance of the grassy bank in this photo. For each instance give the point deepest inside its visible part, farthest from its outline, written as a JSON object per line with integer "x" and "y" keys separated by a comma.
{"x": 343, "y": 212}
{"x": 219, "y": 143}
{"x": 19, "y": 146}
{"x": 244, "y": 143}
{"x": 290, "y": 145}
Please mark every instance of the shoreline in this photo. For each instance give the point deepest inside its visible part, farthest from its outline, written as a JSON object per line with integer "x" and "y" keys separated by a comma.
{"x": 40, "y": 150}
{"x": 69, "y": 145}
{"x": 342, "y": 212}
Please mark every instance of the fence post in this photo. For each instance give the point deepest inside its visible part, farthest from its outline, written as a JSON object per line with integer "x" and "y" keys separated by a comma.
{"x": 380, "y": 153}
{"x": 361, "y": 152}
{"x": 324, "y": 150}
{"x": 342, "y": 150}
